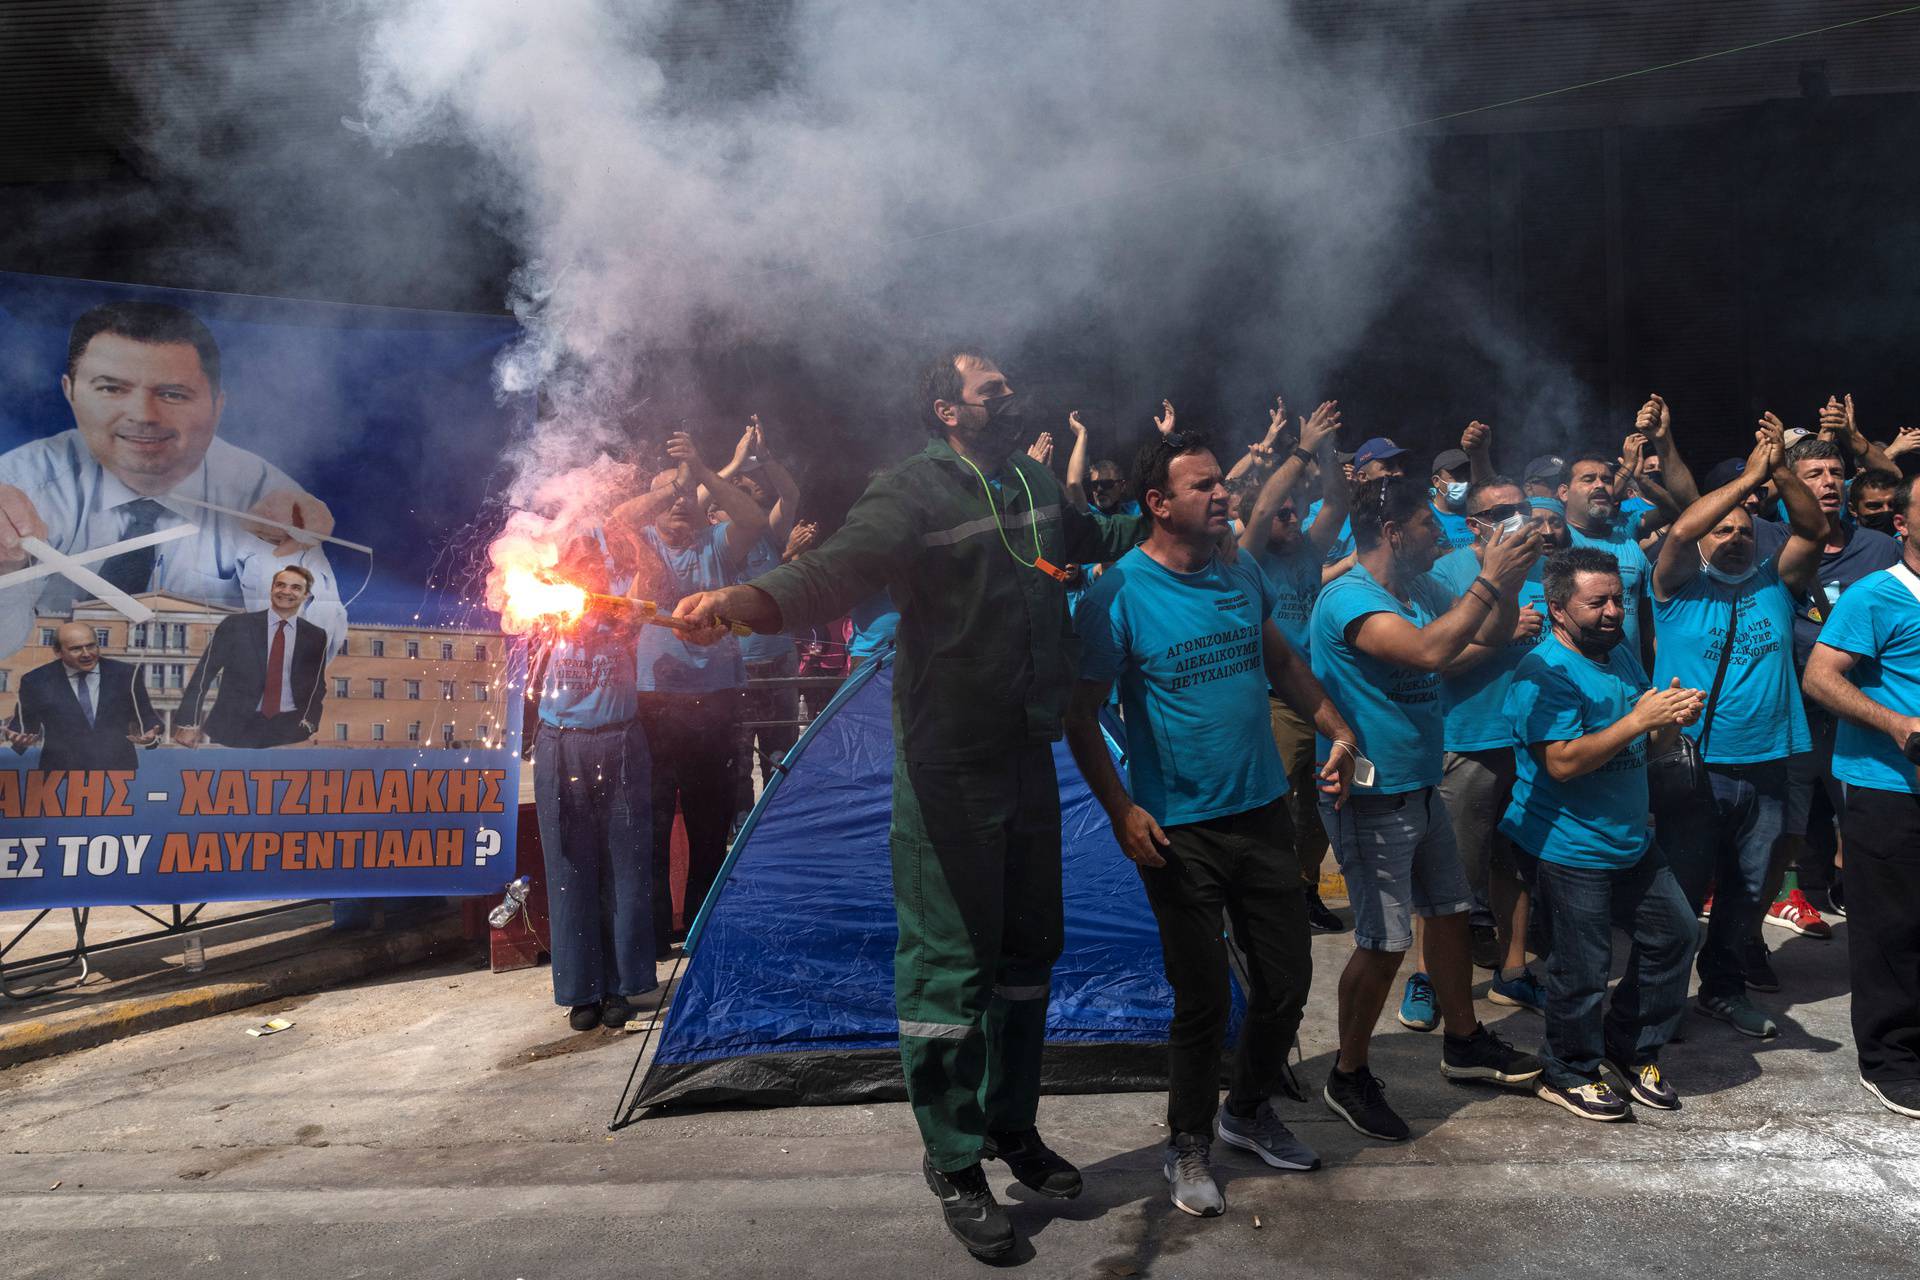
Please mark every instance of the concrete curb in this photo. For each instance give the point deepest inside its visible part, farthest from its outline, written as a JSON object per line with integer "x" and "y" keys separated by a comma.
{"x": 344, "y": 960}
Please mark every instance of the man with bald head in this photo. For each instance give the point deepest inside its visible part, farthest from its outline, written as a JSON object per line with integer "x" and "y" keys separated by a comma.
{"x": 82, "y": 710}
{"x": 143, "y": 382}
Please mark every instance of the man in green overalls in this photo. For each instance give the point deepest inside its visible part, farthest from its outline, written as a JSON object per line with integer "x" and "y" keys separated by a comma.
{"x": 968, "y": 535}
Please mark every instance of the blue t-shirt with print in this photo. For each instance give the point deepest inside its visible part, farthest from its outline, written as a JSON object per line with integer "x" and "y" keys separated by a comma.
{"x": 1186, "y": 651}
{"x": 1878, "y": 621}
{"x": 1475, "y": 698}
{"x": 1395, "y": 711}
{"x": 668, "y": 664}
{"x": 1636, "y": 574}
{"x": 1294, "y": 575}
{"x": 1598, "y": 819}
{"x": 1454, "y": 530}
{"x": 1758, "y": 715}
{"x": 589, "y": 677}
{"x": 758, "y": 648}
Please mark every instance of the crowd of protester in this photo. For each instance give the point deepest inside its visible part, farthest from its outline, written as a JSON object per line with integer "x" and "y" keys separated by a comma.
{"x": 1522, "y": 709}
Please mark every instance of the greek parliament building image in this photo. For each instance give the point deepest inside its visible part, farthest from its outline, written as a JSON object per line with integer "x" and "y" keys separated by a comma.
{"x": 388, "y": 686}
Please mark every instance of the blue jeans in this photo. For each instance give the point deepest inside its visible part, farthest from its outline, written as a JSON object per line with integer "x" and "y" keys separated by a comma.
{"x": 591, "y": 789}
{"x": 1645, "y": 902}
{"x": 1724, "y": 849}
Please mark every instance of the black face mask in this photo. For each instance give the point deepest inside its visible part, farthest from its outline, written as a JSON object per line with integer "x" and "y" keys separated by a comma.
{"x": 1879, "y": 522}
{"x": 1594, "y": 642}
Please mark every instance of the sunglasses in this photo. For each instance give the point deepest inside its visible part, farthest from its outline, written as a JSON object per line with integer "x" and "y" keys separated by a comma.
{"x": 1505, "y": 511}
{"x": 1103, "y": 484}
{"x": 1286, "y": 513}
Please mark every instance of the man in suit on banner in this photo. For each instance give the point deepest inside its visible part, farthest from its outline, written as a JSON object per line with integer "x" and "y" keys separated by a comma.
{"x": 85, "y": 711}
{"x": 270, "y": 665}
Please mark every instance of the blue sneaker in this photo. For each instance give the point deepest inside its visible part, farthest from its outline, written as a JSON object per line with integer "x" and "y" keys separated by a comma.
{"x": 1523, "y": 991}
{"x": 1417, "y": 1011}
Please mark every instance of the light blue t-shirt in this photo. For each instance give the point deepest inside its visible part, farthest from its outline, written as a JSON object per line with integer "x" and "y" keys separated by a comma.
{"x": 589, "y": 680}
{"x": 1186, "y": 651}
{"x": 874, "y": 622}
{"x": 1395, "y": 711}
{"x": 1454, "y": 530}
{"x": 1631, "y": 508}
{"x": 758, "y": 648}
{"x": 1758, "y": 715}
{"x": 1342, "y": 546}
{"x": 1878, "y": 621}
{"x": 1476, "y": 698}
{"x": 1636, "y": 575}
{"x": 1295, "y": 578}
{"x": 1598, "y": 819}
{"x": 667, "y": 663}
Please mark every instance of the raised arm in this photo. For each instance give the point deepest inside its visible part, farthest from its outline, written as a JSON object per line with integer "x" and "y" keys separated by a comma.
{"x": 1477, "y": 443}
{"x": 1680, "y": 557}
{"x": 1655, "y": 422}
{"x": 1799, "y": 561}
{"x": 1837, "y": 424}
{"x": 1392, "y": 639}
{"x": 748, "y": 520}
{"x": 786, "y": 507}
{"x": 1634, "y": 452}
{"x": 1076, "y": 486}
{"x": 1261, "y": 452}
{"x": 1315, "y": 432}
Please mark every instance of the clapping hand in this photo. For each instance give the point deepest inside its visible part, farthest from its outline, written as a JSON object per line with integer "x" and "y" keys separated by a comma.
{"x": 1041, "y": 450}
{"x": 1508, "y": 557}
{"x": 1670, "y": 707}
{"x": 1476, "y": 438}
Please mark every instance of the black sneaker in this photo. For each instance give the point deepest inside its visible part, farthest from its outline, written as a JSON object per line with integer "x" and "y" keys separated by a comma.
{"x": 584, "y": 1017}
{"x": 1757, "y": 965}
{"x": 1644, "y": 1084}
{"x": 1486, "y": 948}
{"x": 1902, "y": 1097}
{"x": 1485, "y": 1056}
{"x": 615, "y": 1012}
{"x": 1320, "y": 917}
{"x": 1032, "y": 1161}
{"x": 1361, "y": 1100}
{"x": 973, "y": 1215}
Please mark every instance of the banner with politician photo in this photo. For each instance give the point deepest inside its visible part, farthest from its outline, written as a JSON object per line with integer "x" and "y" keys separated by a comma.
{"x": 234, "y": 663}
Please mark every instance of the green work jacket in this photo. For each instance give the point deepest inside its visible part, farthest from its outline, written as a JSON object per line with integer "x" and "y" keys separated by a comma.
{"x": 986, "y": 655}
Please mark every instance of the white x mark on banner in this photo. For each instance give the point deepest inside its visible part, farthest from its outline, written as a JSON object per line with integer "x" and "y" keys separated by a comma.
{"x": 73, "y": 568}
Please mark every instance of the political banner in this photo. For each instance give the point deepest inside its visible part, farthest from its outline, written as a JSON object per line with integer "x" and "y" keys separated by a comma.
{"x": 240, "y": 653}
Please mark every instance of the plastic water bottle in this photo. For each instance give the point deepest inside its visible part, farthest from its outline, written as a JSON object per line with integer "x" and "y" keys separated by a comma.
{"x": 195, "y": 953}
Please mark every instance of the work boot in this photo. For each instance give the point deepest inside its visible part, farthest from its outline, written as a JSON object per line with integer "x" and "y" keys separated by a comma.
{"x": 584, "y": 1017}
{"x": 973, "y": 1215}
{"x": 1033, "y": 1162}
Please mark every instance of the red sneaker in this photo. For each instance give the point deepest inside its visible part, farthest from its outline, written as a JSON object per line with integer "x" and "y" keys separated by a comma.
{"x": 1796, "y": 913}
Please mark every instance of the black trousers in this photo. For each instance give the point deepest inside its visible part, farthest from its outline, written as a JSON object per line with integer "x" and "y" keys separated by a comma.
{"x": 1242, "y": 868}
{"x": 694, "y": 739}
{"x": 1882, "y": 831}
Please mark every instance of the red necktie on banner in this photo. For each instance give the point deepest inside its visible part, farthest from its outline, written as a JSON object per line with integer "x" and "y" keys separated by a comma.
{"x": 276, "y": 655}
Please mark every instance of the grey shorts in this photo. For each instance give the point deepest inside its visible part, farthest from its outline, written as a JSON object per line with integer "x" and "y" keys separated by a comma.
{"x": 1399, "y": 858}
{"x": 1475, "y": 787}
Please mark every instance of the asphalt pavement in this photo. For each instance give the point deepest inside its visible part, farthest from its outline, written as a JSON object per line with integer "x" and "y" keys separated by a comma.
{"x": 443, "y": 1121}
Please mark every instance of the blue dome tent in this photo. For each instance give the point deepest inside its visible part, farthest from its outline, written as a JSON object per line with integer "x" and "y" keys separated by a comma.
{"x": 787, "y": 997}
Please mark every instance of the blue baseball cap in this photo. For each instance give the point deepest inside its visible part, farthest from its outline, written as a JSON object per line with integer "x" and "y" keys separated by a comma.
{"x": 1376, "y": 450}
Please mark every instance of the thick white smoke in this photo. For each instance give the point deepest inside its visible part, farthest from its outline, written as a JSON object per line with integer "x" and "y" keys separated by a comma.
{"x": 897, "y": 171}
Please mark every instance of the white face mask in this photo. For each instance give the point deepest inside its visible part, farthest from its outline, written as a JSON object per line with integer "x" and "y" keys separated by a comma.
{"x": 1456, "y": 491}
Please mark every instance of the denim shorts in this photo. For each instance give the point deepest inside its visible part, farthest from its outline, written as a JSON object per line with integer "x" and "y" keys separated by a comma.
{"x": 1398, "y": 855}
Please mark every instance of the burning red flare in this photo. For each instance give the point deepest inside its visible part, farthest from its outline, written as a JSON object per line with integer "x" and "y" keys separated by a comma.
{"x": 521, "y": 588}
